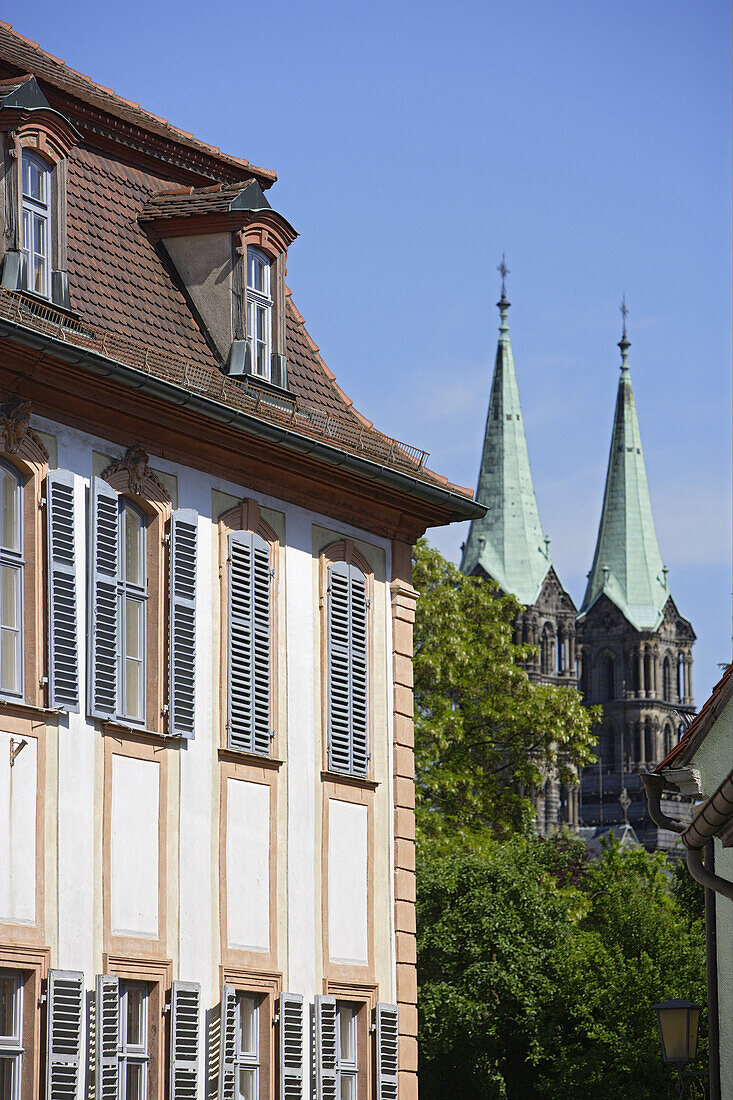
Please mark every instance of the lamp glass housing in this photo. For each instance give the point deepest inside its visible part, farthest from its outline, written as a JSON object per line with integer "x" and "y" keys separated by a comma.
{"x": 678, "y": 1027}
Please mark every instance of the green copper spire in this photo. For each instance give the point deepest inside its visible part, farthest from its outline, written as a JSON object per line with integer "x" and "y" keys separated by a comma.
{"x": 508, "y": 542}
{"x": 627, "y": 566}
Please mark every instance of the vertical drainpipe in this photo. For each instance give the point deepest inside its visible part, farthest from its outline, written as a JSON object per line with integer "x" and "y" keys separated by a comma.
{"x": 711, "y": 952}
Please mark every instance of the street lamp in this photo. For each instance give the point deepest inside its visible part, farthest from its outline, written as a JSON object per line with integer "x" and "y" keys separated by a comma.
{"x": 678, "y": 1028}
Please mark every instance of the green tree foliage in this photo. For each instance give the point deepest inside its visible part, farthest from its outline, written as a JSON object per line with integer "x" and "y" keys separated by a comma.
{"x": 483, "y": 734}
{"x": 539, "y": 969}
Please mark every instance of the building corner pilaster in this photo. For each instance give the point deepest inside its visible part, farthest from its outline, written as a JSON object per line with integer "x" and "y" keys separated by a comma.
{"x": 403, "y": 599}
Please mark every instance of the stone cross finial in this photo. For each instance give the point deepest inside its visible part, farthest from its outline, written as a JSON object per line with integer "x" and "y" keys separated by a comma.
{"x": 503, "y": 271}
{"x": 624, "y": 342}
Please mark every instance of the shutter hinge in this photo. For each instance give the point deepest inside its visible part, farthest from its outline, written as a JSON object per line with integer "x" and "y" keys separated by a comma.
{"x": 276, "y": 1019}
{"x": 43, "y": 681}
{"x": 166, "y": 1008}
{"x": 42, "y": 502}
{"x": 369, "y": 756}
{"x": 165, "y": 709}
{"x": 42, "y": 999}
{"x": 372, "y": 1027}
{"x": 272, "y": 572}
{"x": 166, "y": 538}
{"x": 368, "y": 602}
{"x": 272, "y": 734}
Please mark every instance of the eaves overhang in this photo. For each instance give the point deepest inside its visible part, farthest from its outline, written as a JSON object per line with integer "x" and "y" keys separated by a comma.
{"x": 456, "y": 506}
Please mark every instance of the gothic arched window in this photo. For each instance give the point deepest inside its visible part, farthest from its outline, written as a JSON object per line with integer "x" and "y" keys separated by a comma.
{"x": 667, "y": 680}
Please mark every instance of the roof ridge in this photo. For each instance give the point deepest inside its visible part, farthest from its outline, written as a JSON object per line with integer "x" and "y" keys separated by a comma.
{"x": 143, "y": 117}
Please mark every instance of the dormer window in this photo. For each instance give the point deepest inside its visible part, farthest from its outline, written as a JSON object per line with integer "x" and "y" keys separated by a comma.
{"x": 36, "y": 203}
{"x": 259, "y": 311}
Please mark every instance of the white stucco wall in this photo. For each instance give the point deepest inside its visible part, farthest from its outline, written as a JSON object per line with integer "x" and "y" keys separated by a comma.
{"x": 347, "y": 882}
{"x": 76, "y": 803}
{"x": 248, "y": 865}
{"x": 134, "y": 849}
{"x": 18, "y": 831}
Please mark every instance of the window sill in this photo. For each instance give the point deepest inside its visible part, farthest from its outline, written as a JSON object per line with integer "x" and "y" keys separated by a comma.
{"x": 350, "y": 780}
{"x": 234, "y": 756}
{"x": 119, "y": 729}
{"x": 24, "y": 709}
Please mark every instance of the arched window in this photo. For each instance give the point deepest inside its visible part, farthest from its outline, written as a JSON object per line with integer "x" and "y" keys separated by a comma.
{"x": 11, "y": 581}
{"x": 259, "y": 311}
{"x": 36, "y": 205}
{"x": 548, "y": 657}
{"x": 608, "y": 678}
{"x": 132, "y": 591}
{"x": 668, "y": 738}
{"x": 667, "y": 680}
{"x": 560, "y": 643}
{"x": 608, "y": 744}
{"x": 680, "y": 677}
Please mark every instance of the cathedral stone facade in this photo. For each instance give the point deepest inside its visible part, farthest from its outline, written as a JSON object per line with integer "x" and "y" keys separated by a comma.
{"x": 628, "y": 649}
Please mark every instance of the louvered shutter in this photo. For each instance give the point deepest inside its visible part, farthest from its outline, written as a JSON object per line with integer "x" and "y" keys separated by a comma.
{"x": 63, "y": 643}
{"x": 291, "y": 1047}
{"x": 347, "y": 669}
{"x": 182, "y": 656}
{"x": 227, "y": 1043}
{"x": 64, "y": 1022}
{"x": 387, "y": 1051}
{"x": 325, "y": 1037}
{"x": 185, "y": 1003}
{"x": 249, "y": 643}
{"x": 107, "y": 1037}
{"x": 103, "y": 602}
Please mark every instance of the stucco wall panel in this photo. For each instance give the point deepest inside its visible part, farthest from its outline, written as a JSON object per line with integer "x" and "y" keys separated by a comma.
{"x": 134, "y": 847}
{"x": 18, "y": 832}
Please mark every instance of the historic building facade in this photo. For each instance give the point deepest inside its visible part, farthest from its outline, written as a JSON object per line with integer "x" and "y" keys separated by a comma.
{"x": 508, "y": 545}
{"x": 206, "y": 750}
{"x": 628, "y": 648}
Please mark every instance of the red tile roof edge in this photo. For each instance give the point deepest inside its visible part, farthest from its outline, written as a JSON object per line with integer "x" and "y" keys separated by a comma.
{"x": 697, "y": 730}
{"x": 108, "y": 100}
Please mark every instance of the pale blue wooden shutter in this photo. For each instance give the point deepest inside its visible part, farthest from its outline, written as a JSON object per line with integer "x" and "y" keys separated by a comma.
{"x": 347, "y": 669}
{"x": 107, "y": 1037}
{"x": 228, "y": 1043}
{"x": 249, "y": 643}
{"x": 103, "y": 600}
{"x": 182, "y": 656}
{"x": 387, "y": 1051}
{"x": 185, "y": 1007}
{"x": 64, "y": 1022}
{"x": 325, "y": 1044}
{"x": 292, "y": 1084}
{"x": 63, "y": 642}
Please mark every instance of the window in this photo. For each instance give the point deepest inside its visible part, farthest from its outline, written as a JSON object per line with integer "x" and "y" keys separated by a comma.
{"x": 36, "y": 204}
{"x": 667, "y": 680}
{"x": 608, "y": 678}
{"x": 248, "y": 1046}
{"x": 347, "y": 1068}
{"x": 347, "y": 669}
{"x": 11, "y": 581}
{"x": 11, "y": 1034}
{"x": 134, "y": 1055}
{"x": 132, "y": 594}
{"x": 259, "y": 311}
{"x": 249, "y": 643}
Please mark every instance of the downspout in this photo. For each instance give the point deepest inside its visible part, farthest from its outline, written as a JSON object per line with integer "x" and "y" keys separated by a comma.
{"x": 711, "y": 953}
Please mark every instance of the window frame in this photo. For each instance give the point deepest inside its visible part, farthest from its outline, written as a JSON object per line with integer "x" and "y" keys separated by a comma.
{"x": 37, "y": 210}
{"x": 259, "y": 299}
{"x": 267, "y": 986}
{"x": 138, "y": 594}
{"x": 11, "y": 1046}
{"x": 15, "y": 560}
{"x": 133, "y": 1054}
{"x": 363, "y": 998}
{"x": 347, "y": 1068}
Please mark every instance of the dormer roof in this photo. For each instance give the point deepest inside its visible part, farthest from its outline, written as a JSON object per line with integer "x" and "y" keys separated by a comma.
{"x": 220, "y": 198}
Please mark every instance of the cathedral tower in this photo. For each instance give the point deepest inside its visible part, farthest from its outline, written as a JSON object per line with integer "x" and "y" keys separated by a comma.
{"x": 509, "y": 545}
{"x": 636, "y": 647}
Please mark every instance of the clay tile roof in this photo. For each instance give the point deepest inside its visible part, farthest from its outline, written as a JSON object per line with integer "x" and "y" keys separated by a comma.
{"x": 700, "y": 726}
{"x": 218, "y": 199}
{"x": 22, "y": 53}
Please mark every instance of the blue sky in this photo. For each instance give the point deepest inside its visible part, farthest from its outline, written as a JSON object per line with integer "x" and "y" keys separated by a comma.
{"x": 417, "y": 141}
